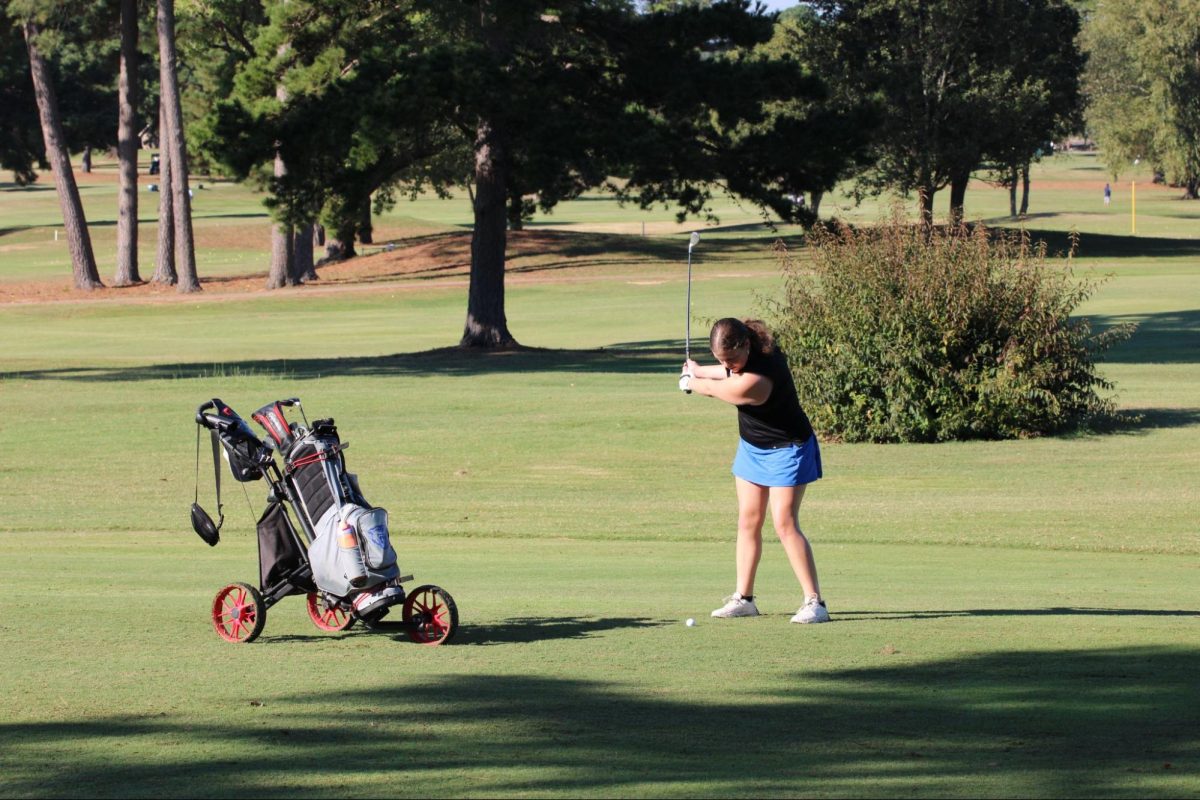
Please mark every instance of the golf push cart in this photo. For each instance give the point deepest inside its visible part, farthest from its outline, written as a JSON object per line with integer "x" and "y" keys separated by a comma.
{"x": 339, "y": 556}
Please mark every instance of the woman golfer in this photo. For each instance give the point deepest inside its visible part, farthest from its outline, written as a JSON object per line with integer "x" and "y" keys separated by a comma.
{"x": 777, "y": 457}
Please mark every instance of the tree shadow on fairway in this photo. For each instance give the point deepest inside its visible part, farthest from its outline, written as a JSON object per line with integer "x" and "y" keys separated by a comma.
{"x": 1104, "y": 245}
{"x": 515, "y": 630}
{"x": 1058, "y": 611}
{"x": 1043, "y": 723}
{"x": 1145, "y": 420}
{"x": 1170, "y": 337}
{"x": 521, "y": 630}
{"x": 642, "y": 357}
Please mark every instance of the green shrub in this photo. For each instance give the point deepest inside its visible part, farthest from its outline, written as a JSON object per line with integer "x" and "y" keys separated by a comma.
{"x": 898, "y": 334}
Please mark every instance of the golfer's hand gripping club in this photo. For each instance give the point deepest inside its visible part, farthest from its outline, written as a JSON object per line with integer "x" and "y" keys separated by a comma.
{"x": 685, "y": 383}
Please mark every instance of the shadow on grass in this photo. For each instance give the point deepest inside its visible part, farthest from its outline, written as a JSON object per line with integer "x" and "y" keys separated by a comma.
{"x": 521, "y": 630}
{"x": 1058, "y": 611}
{"x": 1170, "y": 337}
{"x": 1100, "y": 245}
{"x": 6, "y": 186}
{"x": 1043, "y": 723}
{"x": 111, "y": 223}
{"x": 1144, "y": 420}
{"x": 642, "y": 357}
{"x": 517, "y": 630}
{"x": 1105, "y": 245}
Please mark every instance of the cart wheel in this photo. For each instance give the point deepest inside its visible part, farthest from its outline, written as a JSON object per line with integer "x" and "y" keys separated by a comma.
{"x": 430, "y": 614}
{"x": 326, "y": 617}
{"x": 238, "y": 613}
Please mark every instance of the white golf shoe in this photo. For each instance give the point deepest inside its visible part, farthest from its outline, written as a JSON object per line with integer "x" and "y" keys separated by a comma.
{"x": 813, "y": 610}
{"x": 736, "y": 606}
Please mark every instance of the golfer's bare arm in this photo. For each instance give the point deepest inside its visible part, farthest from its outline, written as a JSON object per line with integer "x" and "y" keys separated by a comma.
{"x": 740, "y": 390}
{"x": 713, "y": 371}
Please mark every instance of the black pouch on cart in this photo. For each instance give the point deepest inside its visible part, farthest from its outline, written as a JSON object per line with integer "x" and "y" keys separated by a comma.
{"x": 245, "y": 453}
{"x": 278, "y": 551}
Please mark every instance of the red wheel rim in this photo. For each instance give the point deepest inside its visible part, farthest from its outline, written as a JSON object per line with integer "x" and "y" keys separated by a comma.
{"x": 430, "y": 617}
{"x": 325, "y": 617}
{"x": 235, "y": 614}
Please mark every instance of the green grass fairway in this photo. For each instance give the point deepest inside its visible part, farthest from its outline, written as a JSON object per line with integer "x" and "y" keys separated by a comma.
{"x": 950, "y": 672}
{"x": 1011, "y": 619}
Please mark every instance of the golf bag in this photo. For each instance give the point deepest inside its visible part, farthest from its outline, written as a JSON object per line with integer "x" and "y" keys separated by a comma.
{"x": 350, "y": 546}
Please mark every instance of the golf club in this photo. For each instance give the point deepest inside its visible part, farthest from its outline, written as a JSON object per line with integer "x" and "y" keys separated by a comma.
{"x": 687, "y": 342}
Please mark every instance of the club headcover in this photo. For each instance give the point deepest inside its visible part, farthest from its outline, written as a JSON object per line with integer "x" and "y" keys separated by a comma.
{"x": 205, "y": 528}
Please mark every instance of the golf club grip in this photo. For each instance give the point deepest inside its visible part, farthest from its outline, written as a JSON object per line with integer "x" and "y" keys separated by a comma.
{"x": 207, "y": 420}
{"x": 213, "y": 422}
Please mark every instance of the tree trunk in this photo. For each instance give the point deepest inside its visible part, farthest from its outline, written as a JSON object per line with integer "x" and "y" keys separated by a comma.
{"x": 282, "y": 249}
{"x": 340, "y": 244}
{"x": 925, "y": 199}
{"x": 815, "y": 197}
{"x": 176, "y": 149}
{"x": 164, "y": 267}
{"x": 302, "y": 255}
{"x": 365, "y": 230}
{"x": 282, "y": 272}
{"x": 127, "y": 149}
{"x": 283, "y": 243}
{"x": 1024, "y": 190}
{"x": 79, "y": 241}
{"x": 486, "y": 326}
{"x": 339, "y": 249}
{"x": 515, "y": 222}
{"x": 1012, "y": 191}
{"x": 958, "y": 195}
{"x": 319, "y": 234}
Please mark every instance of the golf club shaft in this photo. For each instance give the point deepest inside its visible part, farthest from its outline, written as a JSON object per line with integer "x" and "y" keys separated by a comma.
{"x": 687, "y": 341}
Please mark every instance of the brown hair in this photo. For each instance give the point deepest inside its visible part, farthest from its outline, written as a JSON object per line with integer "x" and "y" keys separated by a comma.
{"x": 731, "y": 334}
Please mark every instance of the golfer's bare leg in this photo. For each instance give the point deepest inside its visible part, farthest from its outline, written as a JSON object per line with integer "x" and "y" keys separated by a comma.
{"x": 785, "y": 514}
{"x": 752, "y": 511}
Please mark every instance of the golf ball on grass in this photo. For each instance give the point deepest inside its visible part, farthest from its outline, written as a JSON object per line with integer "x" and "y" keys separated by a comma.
{"x": 690, "y": 622}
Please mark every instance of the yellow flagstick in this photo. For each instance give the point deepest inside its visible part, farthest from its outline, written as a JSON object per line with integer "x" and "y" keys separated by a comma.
{"x": 1133, "y": 206}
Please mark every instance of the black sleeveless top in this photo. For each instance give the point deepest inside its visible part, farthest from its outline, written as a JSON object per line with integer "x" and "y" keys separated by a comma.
{"x": 780, "y": 420}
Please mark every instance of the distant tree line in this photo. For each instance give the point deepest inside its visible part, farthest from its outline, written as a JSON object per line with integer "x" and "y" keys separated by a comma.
{"x": 340, "y": 108}
{"x": 76, "y": 71}
{"x": 1143, "y": 86}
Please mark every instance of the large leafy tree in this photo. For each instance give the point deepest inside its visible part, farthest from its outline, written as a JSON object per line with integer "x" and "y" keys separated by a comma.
{"x": 532, "y": 104}
{"x": 826, "y": 132}
{"x": 959, "y": 83}
{"x": 1143, "y": 85}
{"x": 1036, "y": 90}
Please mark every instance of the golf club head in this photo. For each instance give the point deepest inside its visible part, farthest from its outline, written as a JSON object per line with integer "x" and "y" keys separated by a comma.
{"x": 693, "y": 241}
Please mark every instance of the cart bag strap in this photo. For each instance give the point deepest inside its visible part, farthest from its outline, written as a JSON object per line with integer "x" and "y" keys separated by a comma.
{"x": 202, "y": 523}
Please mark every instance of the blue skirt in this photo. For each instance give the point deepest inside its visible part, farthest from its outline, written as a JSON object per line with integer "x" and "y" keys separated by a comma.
{"x": 790, "y": 465}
